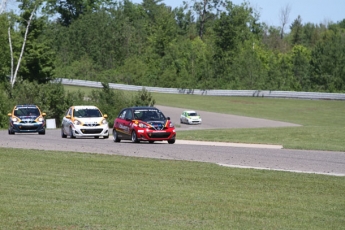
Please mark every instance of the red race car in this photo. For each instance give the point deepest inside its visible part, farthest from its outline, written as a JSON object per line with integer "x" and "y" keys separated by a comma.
{"x": 143, "y": 124}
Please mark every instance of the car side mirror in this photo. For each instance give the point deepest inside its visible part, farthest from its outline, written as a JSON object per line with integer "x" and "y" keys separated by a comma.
{"x": 168, "y": 118}
{"x": 105, "y": 116}
{"x": 9, "y": 114}
{"x": 44, "y": 114}
{"x": 68, "y": 117}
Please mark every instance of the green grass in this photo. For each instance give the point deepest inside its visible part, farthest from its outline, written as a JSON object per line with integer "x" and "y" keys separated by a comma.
{"x": 323, "y": 121}
{"x": 66, "y": 190}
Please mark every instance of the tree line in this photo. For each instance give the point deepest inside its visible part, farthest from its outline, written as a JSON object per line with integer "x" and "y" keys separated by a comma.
{"x": 206, "y": 44}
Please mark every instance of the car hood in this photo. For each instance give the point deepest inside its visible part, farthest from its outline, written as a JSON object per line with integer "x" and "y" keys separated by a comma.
{"x": 194, "y": 117}
{"x": 28, "y": 119}
{"x": 90, "y": 120}
{"x": 159, "y": 125}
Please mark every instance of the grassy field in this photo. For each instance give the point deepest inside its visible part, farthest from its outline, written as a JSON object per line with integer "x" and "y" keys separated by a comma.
{"x": 66, "y": 190}
{"x": 322, "y": 121}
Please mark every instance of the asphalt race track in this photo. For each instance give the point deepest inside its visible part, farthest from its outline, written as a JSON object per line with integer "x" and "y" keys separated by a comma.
{"x": 230, "y": 155}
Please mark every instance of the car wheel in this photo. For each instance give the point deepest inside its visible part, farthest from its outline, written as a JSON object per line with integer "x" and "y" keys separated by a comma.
{"x": 181, "y": 121}
{"x": 71, "y": 133}
{"x": 96, "y": 137}
{"x": 151, "y": 142}
{"x": 116, "y": 138}
{"x": 63, "y": 135}
{"x": 106, "y": 137}
{"x": 42, "y": 132}
{"x": 10, "y": 132}
{"x": 134, "y": 137}
{"x": 171, "y": 141}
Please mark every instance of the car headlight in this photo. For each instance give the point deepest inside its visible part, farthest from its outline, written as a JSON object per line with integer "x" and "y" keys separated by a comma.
{"x": 76, "y": 122}
{"x": 104, "y": 122}
{"x": 14, "y": 119}
{"x": 142, "y": 125}
{"x": 40, "y": 119}
{"x": 171, "y": 125}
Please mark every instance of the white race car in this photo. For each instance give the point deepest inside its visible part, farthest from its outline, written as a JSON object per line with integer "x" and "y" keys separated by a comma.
{"x": 190, "y": 117}
{"x": 84, "y": 121}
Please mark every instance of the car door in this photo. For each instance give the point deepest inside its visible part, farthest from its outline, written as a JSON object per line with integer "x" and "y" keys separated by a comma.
{"x": 122, "y": 125}
{"x": 184, "y": 117}
{"x": 66, "y": 121}
{"x": 128, "y": 122}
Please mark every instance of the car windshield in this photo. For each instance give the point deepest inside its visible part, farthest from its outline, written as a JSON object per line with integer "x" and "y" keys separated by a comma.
{"x": 149, "y": 115}
{"x": 192, "y": 114}
{"x": 20, "y": 112}
{"x": 86, "y": 113}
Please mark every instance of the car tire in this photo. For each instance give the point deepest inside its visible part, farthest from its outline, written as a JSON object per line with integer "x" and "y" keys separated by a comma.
{"x": 116, "y": 138}
{"x": 63, "y": 135}
{"x": 42, "y": 132}
{"x": 10, "y": 132}
{"x": 71, "y": 133}
{"x": 106, "y": 137}
{"x": 134, "y": 137}
{"x": 171, "y": 141}
{"x": 96, "y": 137}
{"x": 181, "y": 121}
{"x": 151, "y": 142}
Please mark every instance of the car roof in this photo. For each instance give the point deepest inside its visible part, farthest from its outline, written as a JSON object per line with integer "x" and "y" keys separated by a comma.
{"x": 84, "y": 107}
{"x": 25, "y": 106}
{"x": 142, "y": 107}
{"x": 189, "y": 111}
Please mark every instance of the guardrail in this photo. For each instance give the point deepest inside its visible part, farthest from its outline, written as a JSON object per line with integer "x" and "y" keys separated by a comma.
{"x": 239, "y": 93}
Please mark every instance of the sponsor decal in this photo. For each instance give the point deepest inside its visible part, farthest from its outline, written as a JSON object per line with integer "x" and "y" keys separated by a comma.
{"x": 123, "y": 127}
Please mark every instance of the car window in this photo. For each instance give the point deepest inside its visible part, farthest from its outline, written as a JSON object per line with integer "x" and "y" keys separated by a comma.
{"x": 129, "y": 115}
{"x": 193, "y": 114}
{"x": 122, "y": 114}
{"x": 86, "y": 113}
{"x": 26, "y": 112}
{"x": 149, "y": 114}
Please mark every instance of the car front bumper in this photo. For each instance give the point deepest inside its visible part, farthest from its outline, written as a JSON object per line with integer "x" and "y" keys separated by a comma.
{"x": 156, "y": 135}
{"x": 194, "y": 121}
{"x": 27, "y": 127}
{"x": 90, "y": 131}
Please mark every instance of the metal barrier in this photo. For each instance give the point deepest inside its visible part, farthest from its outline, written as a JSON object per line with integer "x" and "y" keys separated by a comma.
{"x": 238, "y": 93}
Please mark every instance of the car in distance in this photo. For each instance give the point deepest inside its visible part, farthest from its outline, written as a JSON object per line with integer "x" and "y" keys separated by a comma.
{"x": 26, "y": 119}
{"x": 190, "y": 117}
{"x": 84, "y": 121}
{"x": 143, "y": 124}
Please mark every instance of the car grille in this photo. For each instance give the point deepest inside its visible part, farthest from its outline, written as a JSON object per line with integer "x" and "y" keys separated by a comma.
{"x": 27, "y": 127}
{"x": 91, "y": 131}
{"x": 91, "y": 125}
{"x": 159, "y": 135}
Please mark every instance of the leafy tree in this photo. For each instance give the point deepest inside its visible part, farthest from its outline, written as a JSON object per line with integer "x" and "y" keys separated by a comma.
{"x": 143, "y": 98}
{"x": 5, "y": 107}
{"x": 327, "y": 62}
{"x": 248, "y": 67}
{"x": 71, "y": 10}
{"x": 206, "y": 10}
{"x": 301, "y": 57}
{"x": 297, "y": 31}
{"x": 4, "y": 49}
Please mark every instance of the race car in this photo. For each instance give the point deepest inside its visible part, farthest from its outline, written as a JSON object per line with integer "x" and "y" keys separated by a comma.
{"x": 84, "y": 121}
{"x": 26, "y": 119}
{"x": 143, "y": 124}
{"x": 190, "y": 117}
